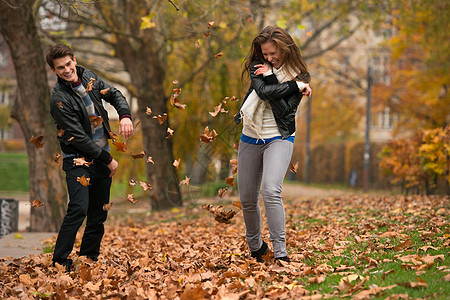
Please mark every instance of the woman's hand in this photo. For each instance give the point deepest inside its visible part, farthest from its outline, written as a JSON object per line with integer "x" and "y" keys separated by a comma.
{"x": 307, "y": 91}
{"x": 261, "y": 69}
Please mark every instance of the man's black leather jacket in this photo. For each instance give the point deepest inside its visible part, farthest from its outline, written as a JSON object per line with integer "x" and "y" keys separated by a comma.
{"x": 70, "y": 115}
{"x": 284, "y": 99}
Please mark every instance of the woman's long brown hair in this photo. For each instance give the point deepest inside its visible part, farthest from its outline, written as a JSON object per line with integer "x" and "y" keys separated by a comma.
{"x": 293, "y": 60}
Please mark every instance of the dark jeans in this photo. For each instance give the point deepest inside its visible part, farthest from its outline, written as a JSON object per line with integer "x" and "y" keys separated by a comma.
{"x": 84, "y": 201}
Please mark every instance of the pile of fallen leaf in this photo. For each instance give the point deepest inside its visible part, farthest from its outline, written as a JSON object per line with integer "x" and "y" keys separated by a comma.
{"x": 195, "y": 257}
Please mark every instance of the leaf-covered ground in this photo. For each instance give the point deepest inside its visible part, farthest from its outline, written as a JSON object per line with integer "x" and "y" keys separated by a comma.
{"x": 358, "y": 247}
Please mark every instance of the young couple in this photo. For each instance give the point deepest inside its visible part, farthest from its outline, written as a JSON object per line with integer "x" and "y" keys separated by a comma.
{"x": 279, "y": 79}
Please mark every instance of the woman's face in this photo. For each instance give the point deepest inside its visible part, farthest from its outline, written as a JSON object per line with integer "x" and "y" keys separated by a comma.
{"x": 272, "y": 54}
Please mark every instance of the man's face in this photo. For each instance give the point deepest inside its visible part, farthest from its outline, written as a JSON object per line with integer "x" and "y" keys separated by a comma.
{"x": 65, "y": 68}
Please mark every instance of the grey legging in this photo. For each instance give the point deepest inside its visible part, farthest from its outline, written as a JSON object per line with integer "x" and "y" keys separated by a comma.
{"x": 264, "y": 166}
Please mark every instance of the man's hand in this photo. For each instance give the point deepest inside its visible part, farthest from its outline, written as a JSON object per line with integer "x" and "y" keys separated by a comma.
{"x": 113, "y": 167}
{"x": 126, "y": 127}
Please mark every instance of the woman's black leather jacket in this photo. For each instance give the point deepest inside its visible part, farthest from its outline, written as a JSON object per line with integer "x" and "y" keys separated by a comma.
{"x": 284, "y": 99}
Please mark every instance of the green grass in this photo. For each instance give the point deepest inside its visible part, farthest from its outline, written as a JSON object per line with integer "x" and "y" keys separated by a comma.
{"x": 400, "y": 272}
{"x": 14, "y": 172}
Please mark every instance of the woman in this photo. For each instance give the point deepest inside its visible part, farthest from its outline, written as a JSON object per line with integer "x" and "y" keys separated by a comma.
{"x": 279, "y": 79}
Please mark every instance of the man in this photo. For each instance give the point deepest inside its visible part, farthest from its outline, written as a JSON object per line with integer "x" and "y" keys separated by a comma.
{"x": 83, "y": 131}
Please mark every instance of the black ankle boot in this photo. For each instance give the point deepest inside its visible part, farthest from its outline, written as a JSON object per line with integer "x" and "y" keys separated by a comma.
{"x": 262, "y": 251}
{"x": 284, "y": 258}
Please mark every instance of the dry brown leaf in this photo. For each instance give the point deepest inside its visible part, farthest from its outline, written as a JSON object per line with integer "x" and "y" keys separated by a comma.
{"x": 185, "y": 181}
{"x": 210, "y": 24}
{"x": 221, "y": 214}
{"x": 60, "y": 104}
{"x": 169, "y": 133}
{"x": 145, "y": 185}
{"x": 148, "y": 111}
{"x": 222, "y": 192}
{"x": 56, "y": 157}
{"x": 132, "y": 182}
{"x": 238, "y": 204}
{"x": 230, "y": 180}
{"x": 131, "y": 198}
{"x": 161, "y": 119}
{"x": 150, "y": 160}
{"x": 83, "y": 180}
{"x": 37, "y": 141}
{"x": 120, "y": 146}
{"x": 104, "y": 92}
{"x": 218, "y": 55}
{"x": 60, "y": 132}
{"x": 107, "y": 206}
{"x": 176, "y": 163}
{"x": 139, "y": 155}
{"x": 293, "y": 167}
{"x": 82, "y": 162}
{"x": 208, "y": 136}
{"x": 37, "y": 203}
{"x": 90, "y": 85}
{"x": 197, "y": 44}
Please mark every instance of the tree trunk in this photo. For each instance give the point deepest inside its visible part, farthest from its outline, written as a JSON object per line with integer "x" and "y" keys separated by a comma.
{"x": 147, "y": 74}
{"x": 31, "y": 110}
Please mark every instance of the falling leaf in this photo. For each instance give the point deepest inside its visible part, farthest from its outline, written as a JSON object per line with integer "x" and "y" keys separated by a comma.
{"x": 169, "y": 133}
{"x": 137, "y": 124}
{"x": 139, "y": 155}
{"x": 90, "y": 84}
{"x": 107, "y": 206}
{"x": 175, "y": 82}
{"x": 81, "y": 162}
{"x": 147, "y": 23}
{"x": 113, "y": 136}
{"x": 236, "y": 146}
{"x": 234, "y": 163}
{"x": 210, "y": 24}
{"x": 206, "y": 34}
{"x": 238, "y": 204}
{"x": 70, "y": 139}
{"x": 185, "y": 181}
{"x": 145, "y": 186}
{"x": 293, "y": 167}
{"x": 132, "y": 182}
{"x": 174, "y": 101}
{"x": 222, "y": 192}
{"x": 56, "y": 157}
{"x": 221, "y": 214}
{"x": 230, "y": 180}
{"x": 207, "y": 136}
{"x": 104, "y": 92}
{"x": 60, "y": 132}
{"x": 161, "y": 119}
{"x": 197, "y": 44}
{"x": 176, "y": 163}
{"x": 83, "y": 180}
{"x": 218, "y": 109}
{"x": 120, "y": 146}
{"x": 131, "y": 198}
{"x": 150, "y": 160}
{"x": 95, "y": 121}
{"x": 37, "y": 203}
{"x": 37, "y": 141}
{"x": 148, "y": 111}
{"x": 234, "y": 99}
{"x": 60, "y": 104}
{"x": 218, "y": 55}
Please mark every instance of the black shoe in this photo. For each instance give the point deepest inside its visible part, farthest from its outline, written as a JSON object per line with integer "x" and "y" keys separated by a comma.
{"x": 67, "y": 264}
{"x": 284, "y": 258}
{"x": 262, "y": 251}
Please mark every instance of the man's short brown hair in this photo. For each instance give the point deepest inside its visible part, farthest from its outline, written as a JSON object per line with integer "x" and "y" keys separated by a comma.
{"x": 57, "y": 51}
